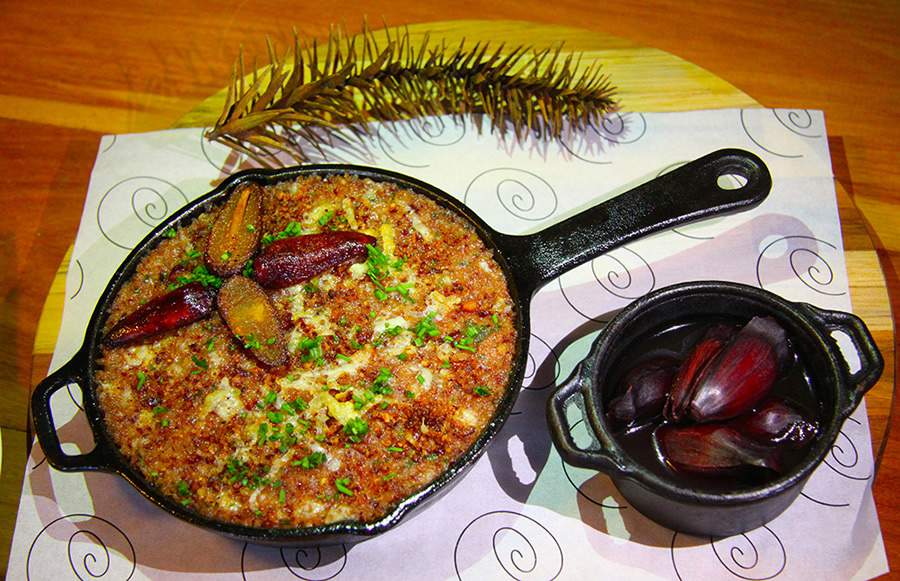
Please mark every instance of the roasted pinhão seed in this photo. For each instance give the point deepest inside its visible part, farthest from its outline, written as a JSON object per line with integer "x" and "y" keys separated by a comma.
{"x": 646, "y": 388}
{"x": 178, "y": 308}
{"x": 714, "y": 410}
{"x": 297, "y": 259}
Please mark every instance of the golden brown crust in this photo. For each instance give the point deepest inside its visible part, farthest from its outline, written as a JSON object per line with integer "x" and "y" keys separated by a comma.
{"x": 384, "y": 386}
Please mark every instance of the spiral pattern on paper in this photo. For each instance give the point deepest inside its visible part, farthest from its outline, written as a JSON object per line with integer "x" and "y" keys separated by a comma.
{"x": 522, "y": 194}
{"x": 95, "y": 548}
{"x": 149, "y": 199}
{"x": 523, "y": 548}
{"x": 805, "y": 258}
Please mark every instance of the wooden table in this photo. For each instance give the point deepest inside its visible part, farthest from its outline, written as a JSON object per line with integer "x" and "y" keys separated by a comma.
{"x": 76, "y": 72}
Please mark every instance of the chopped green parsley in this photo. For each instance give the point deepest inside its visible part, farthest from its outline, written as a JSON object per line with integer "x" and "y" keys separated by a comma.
{"x": 313, "y": 349}
{"x": 291, "y": 230}
{"x": 356, "y": 429}
{"x": 199, "y": 274}
{"x": 379, "y": 267}
{"x": 380, "y": 385}
{"x": 425, "y": 328}
{"x": 237, "y": 471}
{"x": 326, "y": 217}
{"x": 342, "y": 486}
{"x": 311, "y": 460}
{"x": 481, "y": 391}
{"x": 262, "y": 434}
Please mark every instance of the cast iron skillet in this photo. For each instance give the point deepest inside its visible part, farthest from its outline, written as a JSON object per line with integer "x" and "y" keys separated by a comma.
{"x": 686, "y": 194}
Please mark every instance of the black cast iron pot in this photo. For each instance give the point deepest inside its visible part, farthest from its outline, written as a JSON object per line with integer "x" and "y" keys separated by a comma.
{"x": 686, "y": 194}
{"x": 667, "y": 501}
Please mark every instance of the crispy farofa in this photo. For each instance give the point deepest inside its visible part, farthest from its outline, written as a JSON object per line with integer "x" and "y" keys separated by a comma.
{"x": 385, "y": 387}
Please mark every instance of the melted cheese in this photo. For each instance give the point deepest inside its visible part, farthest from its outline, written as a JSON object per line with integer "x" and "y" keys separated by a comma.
{"x": 388, "y": 243}
{"x": 380, "y": 325}
{"x": 418, "y": 225}
{"x": 466, "y": 416}
{"x": 225, "y": 401}
{"x": 342, "y": 411}
{"x": 312, "y": 217}
{"x": 137, "y": 356}
{"x": 349, "y": 214}
{"x": 358, "y": 270}
{"x": 318, "y": 377}
{"x": 441, "y": 304}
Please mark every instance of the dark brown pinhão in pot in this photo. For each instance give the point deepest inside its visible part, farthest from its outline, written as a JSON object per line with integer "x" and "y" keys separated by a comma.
{"x": 759, "y": 396}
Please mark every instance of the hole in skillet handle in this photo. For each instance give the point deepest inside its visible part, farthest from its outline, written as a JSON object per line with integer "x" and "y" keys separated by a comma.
{"x": 45, "y": 427}
{"x": 686, "y": 194}
{"x": 732, "y": 180}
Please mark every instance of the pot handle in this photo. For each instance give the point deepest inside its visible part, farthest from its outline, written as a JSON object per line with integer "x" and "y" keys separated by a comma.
{"x": 45, "y": 430}
{"x": 871, "y": 363}
{"x": 561, "y": 430}
{"x": 685, "y": 194}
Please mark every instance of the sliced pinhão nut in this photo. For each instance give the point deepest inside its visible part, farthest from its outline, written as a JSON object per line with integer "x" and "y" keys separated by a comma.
{"x": 250, "y": 315}
{"x": 235, "y": 233}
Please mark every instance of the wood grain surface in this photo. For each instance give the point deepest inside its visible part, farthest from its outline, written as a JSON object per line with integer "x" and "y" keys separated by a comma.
{"x": 74, "y": 72}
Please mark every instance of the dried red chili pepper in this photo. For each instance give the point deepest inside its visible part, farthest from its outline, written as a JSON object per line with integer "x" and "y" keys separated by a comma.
{"x": 685, "y": 382}
{"x": 776, "y": 422}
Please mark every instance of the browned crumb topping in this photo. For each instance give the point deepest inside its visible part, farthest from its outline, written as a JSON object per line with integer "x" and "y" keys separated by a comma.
{"x": 386, "y": 384}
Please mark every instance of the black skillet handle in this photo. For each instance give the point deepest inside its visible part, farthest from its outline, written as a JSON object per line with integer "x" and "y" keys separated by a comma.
{"x": 871, "y": 363}
{"x": 686, "y": 194}
{"x": 45, "y": 430}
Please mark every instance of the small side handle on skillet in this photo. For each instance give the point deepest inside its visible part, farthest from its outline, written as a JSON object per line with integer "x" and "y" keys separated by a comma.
{"x": 688, "y": 193}
{"x": 45, "y": 429}
{"x": 871, "y": 363}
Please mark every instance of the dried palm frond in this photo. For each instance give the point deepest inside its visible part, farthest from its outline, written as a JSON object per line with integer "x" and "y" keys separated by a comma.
{"x": 354, "y": 80}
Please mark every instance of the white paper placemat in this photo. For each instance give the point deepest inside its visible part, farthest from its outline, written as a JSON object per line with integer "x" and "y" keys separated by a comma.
{"x": 520, "y": 512}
